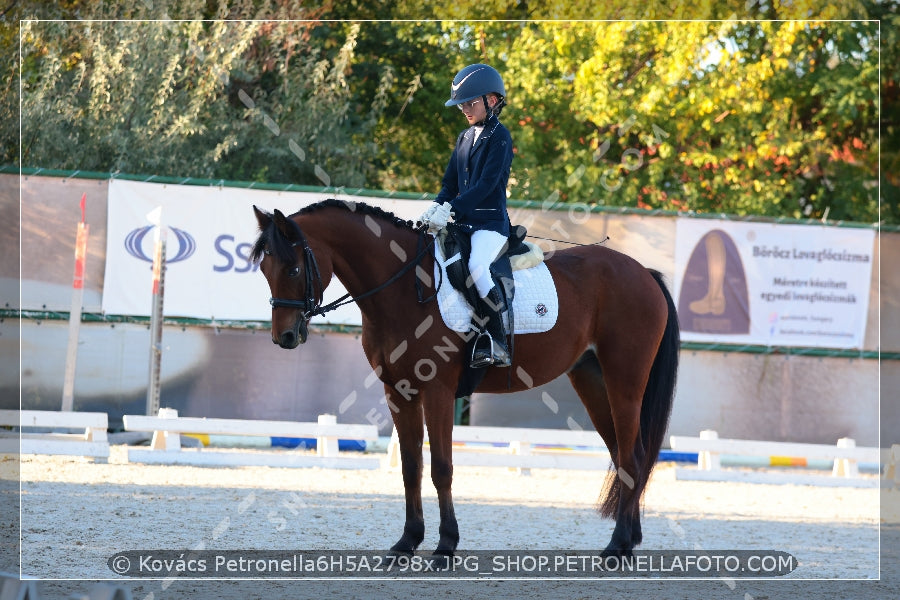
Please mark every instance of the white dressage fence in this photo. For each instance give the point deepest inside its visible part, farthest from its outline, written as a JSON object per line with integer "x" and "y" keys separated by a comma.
{"x": 168, "y": 427}
{"x": 845, "y": 457}
{"x": 518, "y": 448}
{"x": 90, "y": 441}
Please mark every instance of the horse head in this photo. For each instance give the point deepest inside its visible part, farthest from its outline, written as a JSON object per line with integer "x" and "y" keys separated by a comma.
{"x": 293, "y": 273}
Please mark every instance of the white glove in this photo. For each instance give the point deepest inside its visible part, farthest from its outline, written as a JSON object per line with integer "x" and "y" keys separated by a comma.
{"x": 426, "y": 216}
{"x": 438, "y": 219}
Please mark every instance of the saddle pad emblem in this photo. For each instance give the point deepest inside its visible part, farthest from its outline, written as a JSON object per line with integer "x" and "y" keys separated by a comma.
{"x": 535, "y": 305}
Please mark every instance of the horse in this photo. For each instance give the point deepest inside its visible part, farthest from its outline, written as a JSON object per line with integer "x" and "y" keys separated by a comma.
{"x": 616, "y": 337}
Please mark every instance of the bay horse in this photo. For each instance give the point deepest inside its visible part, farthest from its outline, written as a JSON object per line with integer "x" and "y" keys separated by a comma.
{"x": 616, "y": 337}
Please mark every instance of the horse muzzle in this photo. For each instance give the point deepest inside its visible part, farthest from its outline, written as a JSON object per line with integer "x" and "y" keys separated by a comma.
{"x": 291, "y": 338}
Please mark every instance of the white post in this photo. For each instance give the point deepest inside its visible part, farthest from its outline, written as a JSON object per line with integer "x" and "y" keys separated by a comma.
{"x": 393, "y": 451}
{"x": 81, "y": 238}
{"x": 706, "y": 460}
{"x": 845, "y": 467}
{"x": 166, "y": 440}
{"x": 156, "y": 316}
{"x": 327, "y": 446}
{"x": 520, "y": 449}
{"x": 891, "y": 472}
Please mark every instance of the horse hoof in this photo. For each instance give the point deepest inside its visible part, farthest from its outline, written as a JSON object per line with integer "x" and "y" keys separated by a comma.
{"x": 402, "y": 548}
{"x": 617, "y": 551}
{"x": 441, "y": 561}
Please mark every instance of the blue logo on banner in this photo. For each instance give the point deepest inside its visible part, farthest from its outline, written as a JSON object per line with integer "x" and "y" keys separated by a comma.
{"x": 134, "y": 244}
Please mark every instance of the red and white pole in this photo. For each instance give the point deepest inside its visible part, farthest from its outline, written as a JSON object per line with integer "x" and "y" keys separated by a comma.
{"x": 156, "y": 315}
{"x": 81, "y": 239}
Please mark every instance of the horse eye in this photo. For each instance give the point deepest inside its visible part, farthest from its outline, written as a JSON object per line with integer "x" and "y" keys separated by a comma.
{"x": 294, "y": 271}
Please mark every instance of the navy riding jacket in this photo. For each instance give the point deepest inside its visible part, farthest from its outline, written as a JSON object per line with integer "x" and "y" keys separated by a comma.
{"x": 476, "y": 177}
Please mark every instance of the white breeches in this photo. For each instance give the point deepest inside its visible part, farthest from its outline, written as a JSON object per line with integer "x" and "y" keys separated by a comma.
{"x": 486, "y": 247}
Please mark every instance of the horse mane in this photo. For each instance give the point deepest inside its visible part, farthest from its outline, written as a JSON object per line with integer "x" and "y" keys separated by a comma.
{"x": 358, "y": 207}
{"x": 271, "y": 239}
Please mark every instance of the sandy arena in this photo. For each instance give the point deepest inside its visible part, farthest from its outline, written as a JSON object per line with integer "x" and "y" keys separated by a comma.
{"x": 77, "y": 514}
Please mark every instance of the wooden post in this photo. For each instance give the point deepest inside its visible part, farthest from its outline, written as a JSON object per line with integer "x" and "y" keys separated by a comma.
{"x": 156, "y": 316}
{"x": 81, "y": 238}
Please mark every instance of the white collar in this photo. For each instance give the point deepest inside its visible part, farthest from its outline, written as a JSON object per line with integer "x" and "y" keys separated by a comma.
{"x": 478, "y": 129}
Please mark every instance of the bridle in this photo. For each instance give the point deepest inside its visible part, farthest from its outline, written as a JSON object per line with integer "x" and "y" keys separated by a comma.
{"x": 311, "y": 304}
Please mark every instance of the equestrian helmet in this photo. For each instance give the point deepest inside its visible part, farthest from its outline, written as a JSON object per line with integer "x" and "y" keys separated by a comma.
{"x": 475, "y": 81}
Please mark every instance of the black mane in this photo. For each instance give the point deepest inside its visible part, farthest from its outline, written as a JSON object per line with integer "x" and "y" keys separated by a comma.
{"x": 272, "y": 241}
{"x": 358, "y": 207}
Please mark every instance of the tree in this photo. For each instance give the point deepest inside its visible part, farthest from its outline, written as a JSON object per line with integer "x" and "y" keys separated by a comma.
{"x": 218, "y": 99}
{"x": 766, "y": 116}
{"x": 772, "y": 118}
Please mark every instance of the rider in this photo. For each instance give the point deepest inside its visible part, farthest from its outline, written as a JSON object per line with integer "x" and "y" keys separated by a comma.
{"x": 474, "y": 188}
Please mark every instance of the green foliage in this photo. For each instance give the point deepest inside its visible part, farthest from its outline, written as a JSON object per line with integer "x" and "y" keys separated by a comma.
{"x": 771, "y": 118}
{"x": 249, "y": 100}
{"x": 745, "y": 111}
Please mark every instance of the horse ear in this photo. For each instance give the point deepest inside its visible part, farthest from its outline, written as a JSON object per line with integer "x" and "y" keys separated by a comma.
{"x": 262, "y": 217}
{"x": 287, "y": 228}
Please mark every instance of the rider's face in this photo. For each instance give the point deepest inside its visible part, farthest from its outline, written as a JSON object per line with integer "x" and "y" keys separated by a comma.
{"x": 474, "y": 110}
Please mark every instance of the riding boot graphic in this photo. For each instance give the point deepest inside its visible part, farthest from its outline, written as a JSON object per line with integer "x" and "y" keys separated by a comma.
{"x": 714, "y": 300}
{"x": 490, "y": 346}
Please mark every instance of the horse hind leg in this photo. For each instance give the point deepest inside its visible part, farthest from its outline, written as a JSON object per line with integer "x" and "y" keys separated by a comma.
{"x": 626, "y": 483}
{"x": 641, "y": 390}
{"x": 586, "y": 377}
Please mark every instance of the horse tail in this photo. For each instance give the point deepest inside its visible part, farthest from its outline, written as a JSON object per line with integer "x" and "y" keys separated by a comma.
{"x": 659, "y": 394}
{"x": 656, "y": 407}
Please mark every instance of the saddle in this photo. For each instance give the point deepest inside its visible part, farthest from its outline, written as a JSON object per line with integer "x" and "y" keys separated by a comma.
{"x": 455, "y": 239}
{"x": 456, "y": 246}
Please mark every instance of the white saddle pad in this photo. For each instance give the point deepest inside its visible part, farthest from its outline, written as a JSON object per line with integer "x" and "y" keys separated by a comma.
{"x": 535, "y": 305}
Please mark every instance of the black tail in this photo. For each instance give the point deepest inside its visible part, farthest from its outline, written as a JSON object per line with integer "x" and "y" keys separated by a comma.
{"x": 660, "y": 392}
{"x": 656, "y": 407}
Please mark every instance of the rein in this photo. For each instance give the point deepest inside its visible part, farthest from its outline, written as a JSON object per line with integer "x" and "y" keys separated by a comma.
{"x": 311, "y": 305}
{"x": 537, "y": 237}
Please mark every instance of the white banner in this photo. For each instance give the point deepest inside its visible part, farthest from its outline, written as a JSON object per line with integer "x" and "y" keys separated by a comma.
{"x": 770, "y": 284}
{"x": 209, "y": 234}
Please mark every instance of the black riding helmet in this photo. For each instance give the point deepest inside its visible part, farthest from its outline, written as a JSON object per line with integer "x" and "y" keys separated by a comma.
{"x": 477, "y": 81}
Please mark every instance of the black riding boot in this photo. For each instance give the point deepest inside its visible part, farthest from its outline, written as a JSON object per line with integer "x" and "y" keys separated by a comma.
{"x": 490, "y": 347}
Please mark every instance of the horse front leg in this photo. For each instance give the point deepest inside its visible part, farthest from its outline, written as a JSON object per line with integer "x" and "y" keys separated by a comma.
{"x": 439, "y": 419}
{"x": 408, "y": 421}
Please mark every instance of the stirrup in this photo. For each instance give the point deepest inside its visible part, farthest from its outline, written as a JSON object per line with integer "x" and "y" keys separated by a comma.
{"x": 483, "y": 361}
{"x": 491, "y": 358}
